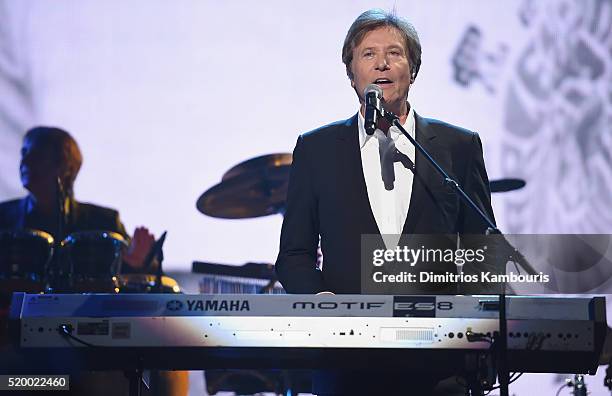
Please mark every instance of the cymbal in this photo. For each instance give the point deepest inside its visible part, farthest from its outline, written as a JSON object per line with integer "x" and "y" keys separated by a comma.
{"x": 505, "y": 185}
{"x": 258, "y": 187}
{"x": 258, "y": 163}
{"x": 253, "y": 188}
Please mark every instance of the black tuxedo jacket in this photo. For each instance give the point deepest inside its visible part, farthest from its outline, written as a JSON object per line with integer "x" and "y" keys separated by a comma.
{"x": 327, "y": 196}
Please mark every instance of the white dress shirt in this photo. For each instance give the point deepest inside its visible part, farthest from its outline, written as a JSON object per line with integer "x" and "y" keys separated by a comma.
{"x": 388, "y": 181}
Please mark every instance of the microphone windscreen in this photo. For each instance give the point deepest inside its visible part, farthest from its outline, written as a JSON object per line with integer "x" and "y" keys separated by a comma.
{"x": 373, "y": 88}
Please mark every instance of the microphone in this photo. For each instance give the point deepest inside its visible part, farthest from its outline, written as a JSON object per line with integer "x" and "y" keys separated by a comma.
{"x": 373, "y": 96}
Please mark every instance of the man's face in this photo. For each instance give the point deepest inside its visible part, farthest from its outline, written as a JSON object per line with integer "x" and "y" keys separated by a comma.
{"x": 38, "y": 168}
{"x": 381, "y": 59}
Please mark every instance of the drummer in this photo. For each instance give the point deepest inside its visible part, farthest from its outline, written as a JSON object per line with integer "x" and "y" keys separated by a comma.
{"x": 50, "y": 162}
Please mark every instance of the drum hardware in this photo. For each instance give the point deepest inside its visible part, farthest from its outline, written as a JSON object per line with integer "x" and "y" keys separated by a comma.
{"x": 24, "y": 260}
{"x": 249, "y": 278}
{"x": 506, "y": 185}
{"x": 479, "y": 373}
{"x": 156, "y": 252}
{"x": 25, "y": 256}
{"x": 84, "y": 262}
{"x": 252, "y": 382}
{"x": 258, "y": 187}
{"x": 94, "y": 261}
{"x": 608, "y": 378}
{"x": 145, "y": 283}
{"x": 148, "y": 283}
{"x": 253, "y": 188}
{"x": 89, "y": 260}
{"x": 248, "y": 270}
{"x": 579, "y": 387}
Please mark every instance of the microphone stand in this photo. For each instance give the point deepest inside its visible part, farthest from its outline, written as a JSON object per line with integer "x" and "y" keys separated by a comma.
{"x": 62, "y": 213}
{"x": 502, "y": 340}
{"x": 54, "y": 270}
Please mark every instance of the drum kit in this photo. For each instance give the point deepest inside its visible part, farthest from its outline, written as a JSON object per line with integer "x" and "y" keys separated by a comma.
{"x": 253, "y": 188}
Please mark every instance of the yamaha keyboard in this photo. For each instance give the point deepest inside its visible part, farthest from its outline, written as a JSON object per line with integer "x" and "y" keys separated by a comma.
{"x": 163, "y": 331}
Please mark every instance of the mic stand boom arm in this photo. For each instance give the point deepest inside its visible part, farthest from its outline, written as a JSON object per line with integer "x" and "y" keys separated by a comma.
{"x": 502, "y": 341}
{"x": 394, "y": 120}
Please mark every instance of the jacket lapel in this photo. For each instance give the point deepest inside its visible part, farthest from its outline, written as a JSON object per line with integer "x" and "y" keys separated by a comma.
{"x": 351, "y": 178}
{"x": 423, "y": 175}
{"x": 352, "y": 181}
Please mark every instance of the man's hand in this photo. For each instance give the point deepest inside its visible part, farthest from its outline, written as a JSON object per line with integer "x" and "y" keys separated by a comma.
{"x": 141, "y": 244}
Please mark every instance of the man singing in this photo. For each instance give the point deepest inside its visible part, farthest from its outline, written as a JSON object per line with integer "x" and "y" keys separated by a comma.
{"x": 341, "y": 184}
{"x": 345, "y": 183}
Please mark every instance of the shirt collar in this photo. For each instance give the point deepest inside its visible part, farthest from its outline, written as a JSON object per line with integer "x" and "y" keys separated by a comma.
{"x": 364, "y": 137}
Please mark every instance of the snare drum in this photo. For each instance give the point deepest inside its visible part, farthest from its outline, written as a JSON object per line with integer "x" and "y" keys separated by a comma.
{"x": 91, "y": 259}
{"x": 24, "y": 259}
